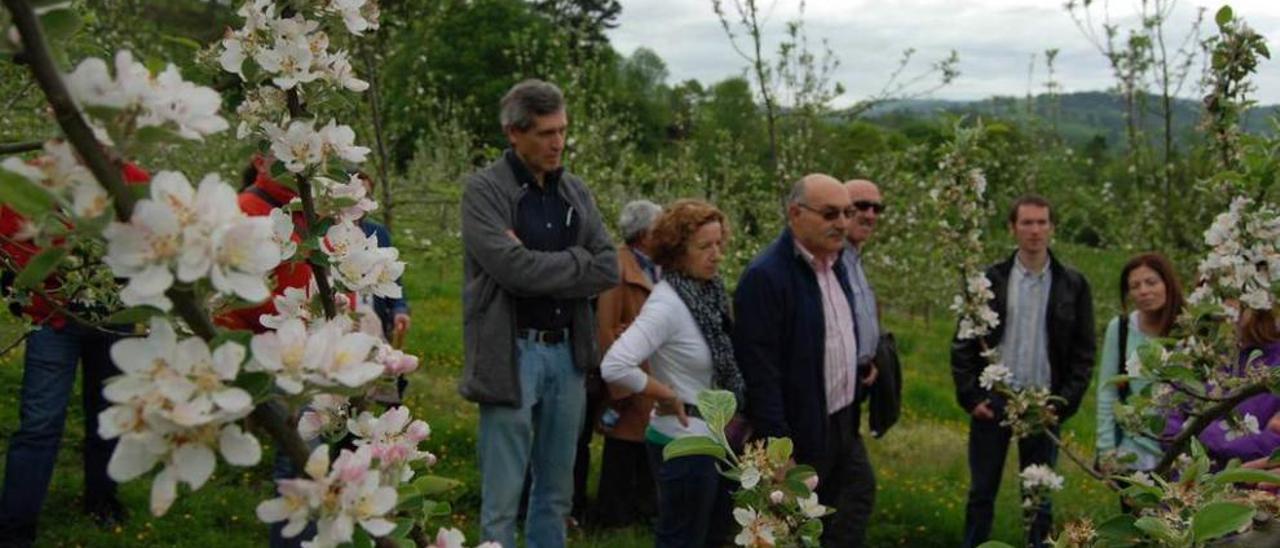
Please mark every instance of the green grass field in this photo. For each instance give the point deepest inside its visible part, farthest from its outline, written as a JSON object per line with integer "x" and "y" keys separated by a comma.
{"x": 920, "y": 464}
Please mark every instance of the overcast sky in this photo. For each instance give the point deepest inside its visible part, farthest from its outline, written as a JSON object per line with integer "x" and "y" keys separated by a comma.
{"x": 994, "y": 38}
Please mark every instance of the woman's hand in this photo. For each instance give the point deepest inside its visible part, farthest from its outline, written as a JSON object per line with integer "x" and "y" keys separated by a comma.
{"x": 667, "y": 401}
{"x": 674, "y": 406}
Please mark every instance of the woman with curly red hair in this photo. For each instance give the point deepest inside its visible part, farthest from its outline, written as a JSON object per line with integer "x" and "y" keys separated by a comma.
{"x": 683, "y": 332}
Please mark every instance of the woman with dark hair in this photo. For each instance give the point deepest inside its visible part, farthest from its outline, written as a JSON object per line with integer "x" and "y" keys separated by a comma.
{"x": 1149, "y": 282}
{"x": 683, "y": 332}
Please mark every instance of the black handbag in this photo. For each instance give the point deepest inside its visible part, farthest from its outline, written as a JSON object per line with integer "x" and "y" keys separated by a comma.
{"x": 886, "y": 393}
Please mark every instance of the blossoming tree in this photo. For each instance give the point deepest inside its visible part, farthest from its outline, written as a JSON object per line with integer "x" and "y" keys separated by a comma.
{"x": 194, "y": 391}
{"x": 1185, "y": 502}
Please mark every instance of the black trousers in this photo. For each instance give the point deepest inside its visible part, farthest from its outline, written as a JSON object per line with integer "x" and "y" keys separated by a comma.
{"x": 988, "y": 444}
{"x": 627, "y": 493}
{"x": 845, "y": 481}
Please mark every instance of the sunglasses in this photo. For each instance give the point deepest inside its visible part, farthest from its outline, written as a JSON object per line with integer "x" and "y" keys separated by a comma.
{"x": 864, "y": 205}
{"x": 831, "y": 213}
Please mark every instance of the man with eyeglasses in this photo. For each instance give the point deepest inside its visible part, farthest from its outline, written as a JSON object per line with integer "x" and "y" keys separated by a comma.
{"x": 797, "y": 346}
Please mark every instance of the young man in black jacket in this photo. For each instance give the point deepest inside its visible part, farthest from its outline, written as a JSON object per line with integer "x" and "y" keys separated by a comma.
{"x": 1045, "y": 337}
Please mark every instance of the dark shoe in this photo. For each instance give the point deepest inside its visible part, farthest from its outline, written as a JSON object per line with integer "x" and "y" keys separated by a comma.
{"x": 107, "y": 514}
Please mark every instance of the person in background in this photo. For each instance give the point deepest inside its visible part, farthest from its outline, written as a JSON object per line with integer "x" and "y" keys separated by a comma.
{"x": 535, "y": 251}
{"x": 1259, "y": 333}
{"x": 797, "y": 343}
{"x": 1149, "y": 282}
{"x": 1045, "y": 337}
{"x": 51, "y": 353}
{"x": 683, "y": 331}
{"x": 626, "y": 491}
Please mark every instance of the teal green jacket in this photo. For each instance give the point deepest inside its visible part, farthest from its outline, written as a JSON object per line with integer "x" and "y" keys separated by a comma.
{"x": 1146, "y": 449}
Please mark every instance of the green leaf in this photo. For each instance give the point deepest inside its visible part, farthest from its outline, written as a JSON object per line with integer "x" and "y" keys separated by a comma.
{"x": 1217, "y": 519}
{"x": 257, "y": 383}
{"x": 60, "y": 25}
{"x": 779, "y": 449}
{"x": 1119, "y": 529}
{"x": 693, "y": 445}
{"x": 136, "y": 314}
{"x": 1156, "y": 529}
{"x": 434, "y": 485}
{"x": 403, "y": 526}
{"x": 24, "y": 196}
{"x": 361, "y": 539}
{"x": 717, "y": 407}
{"x": 406, "y": 501}
{"x": 39, "y": 267}
{"x": 1245, "y": 475}
{"x": 994, "y": 544}
{"x": 1224, "y": 16}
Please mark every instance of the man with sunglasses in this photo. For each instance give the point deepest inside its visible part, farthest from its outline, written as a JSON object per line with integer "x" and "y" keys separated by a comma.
{"x": 796, "y": 343}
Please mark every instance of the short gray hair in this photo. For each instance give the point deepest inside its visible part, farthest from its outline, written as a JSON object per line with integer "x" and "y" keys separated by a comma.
{"x": 527, "y": 100}
{"x": 796, "y": 196}
{"x": 637, "y": 217}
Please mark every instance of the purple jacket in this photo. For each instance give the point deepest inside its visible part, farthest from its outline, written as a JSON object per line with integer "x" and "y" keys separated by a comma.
{"x": 1248, "y": 446}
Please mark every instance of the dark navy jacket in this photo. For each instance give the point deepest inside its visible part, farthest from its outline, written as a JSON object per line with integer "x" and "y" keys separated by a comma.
{"x": 779, "y": 340}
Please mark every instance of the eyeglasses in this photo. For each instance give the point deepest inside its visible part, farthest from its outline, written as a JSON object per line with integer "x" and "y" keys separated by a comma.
{"x": 864, "y": 205}
{"x": 831, "y": 213}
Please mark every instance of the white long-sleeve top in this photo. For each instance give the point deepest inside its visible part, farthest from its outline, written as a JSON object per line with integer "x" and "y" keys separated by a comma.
{"x": 666, "y": 335}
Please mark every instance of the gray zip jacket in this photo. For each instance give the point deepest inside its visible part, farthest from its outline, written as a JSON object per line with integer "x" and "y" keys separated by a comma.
{"x": 497, "y": 268}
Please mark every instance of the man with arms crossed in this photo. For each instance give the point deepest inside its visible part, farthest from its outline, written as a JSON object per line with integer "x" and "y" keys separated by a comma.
{"x": 535, "y": 252}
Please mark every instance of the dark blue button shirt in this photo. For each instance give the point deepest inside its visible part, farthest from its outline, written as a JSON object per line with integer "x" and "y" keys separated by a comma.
{"x": 544, "y": 222}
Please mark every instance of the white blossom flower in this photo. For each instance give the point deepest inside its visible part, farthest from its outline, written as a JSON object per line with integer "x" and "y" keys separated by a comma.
{"x": 1248, "y": 426}
{"x": 174, "y": 406}
{"x": 1039, "y": 476}
{"x": 291, "y": 304}
{"x": 338, "y": 68}
{"x": 290, "y": 60}
{"x": 750, "y": 477}
{"x": 297, "y": 147}
{"x": 810, "y": 507}
{"x": 994, "y": 374}
{"x": 358, "y": 15}
{"x": 335, "y": 498}
{"x": 392, "y": 439}
{"x": 339, "y": 140}
{"x": 756, "y": 529}
{"x": 326, "y": 414}
{"x": 144, "y": 251}
{"x": 160, "y": 100}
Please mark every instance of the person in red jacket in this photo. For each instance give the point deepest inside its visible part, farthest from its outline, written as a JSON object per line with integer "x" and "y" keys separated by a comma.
{"x": 258, "y": 198}
{"x": 49, "y": 373}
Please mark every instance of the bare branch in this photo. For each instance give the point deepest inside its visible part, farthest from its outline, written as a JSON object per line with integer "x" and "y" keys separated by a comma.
{"x": 18, "y": 148}
{"x": 1202, "y": 421}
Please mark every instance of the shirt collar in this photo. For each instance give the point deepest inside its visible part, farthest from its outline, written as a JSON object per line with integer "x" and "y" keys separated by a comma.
{"x": 812, "y": 260}
{"x": 524, "y": 177}
{"x": 1026, "y": 272}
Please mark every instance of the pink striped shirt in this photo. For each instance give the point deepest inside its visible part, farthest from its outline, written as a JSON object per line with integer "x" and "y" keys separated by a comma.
{"x": 841, "y": 348}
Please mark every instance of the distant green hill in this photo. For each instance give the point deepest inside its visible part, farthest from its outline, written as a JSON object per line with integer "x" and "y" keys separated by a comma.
{"x": 1079, "y": 116}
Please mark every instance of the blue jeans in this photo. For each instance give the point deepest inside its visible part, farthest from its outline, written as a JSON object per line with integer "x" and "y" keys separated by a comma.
{"x": 49, "y": 374}
{"x": 540, "y": 437}
{"x": 988, "y": 444}
{"x": 694, "y": 501}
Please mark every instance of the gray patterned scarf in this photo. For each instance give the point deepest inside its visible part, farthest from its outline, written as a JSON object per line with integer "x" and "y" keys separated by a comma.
{"x": 709, "y": 303}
